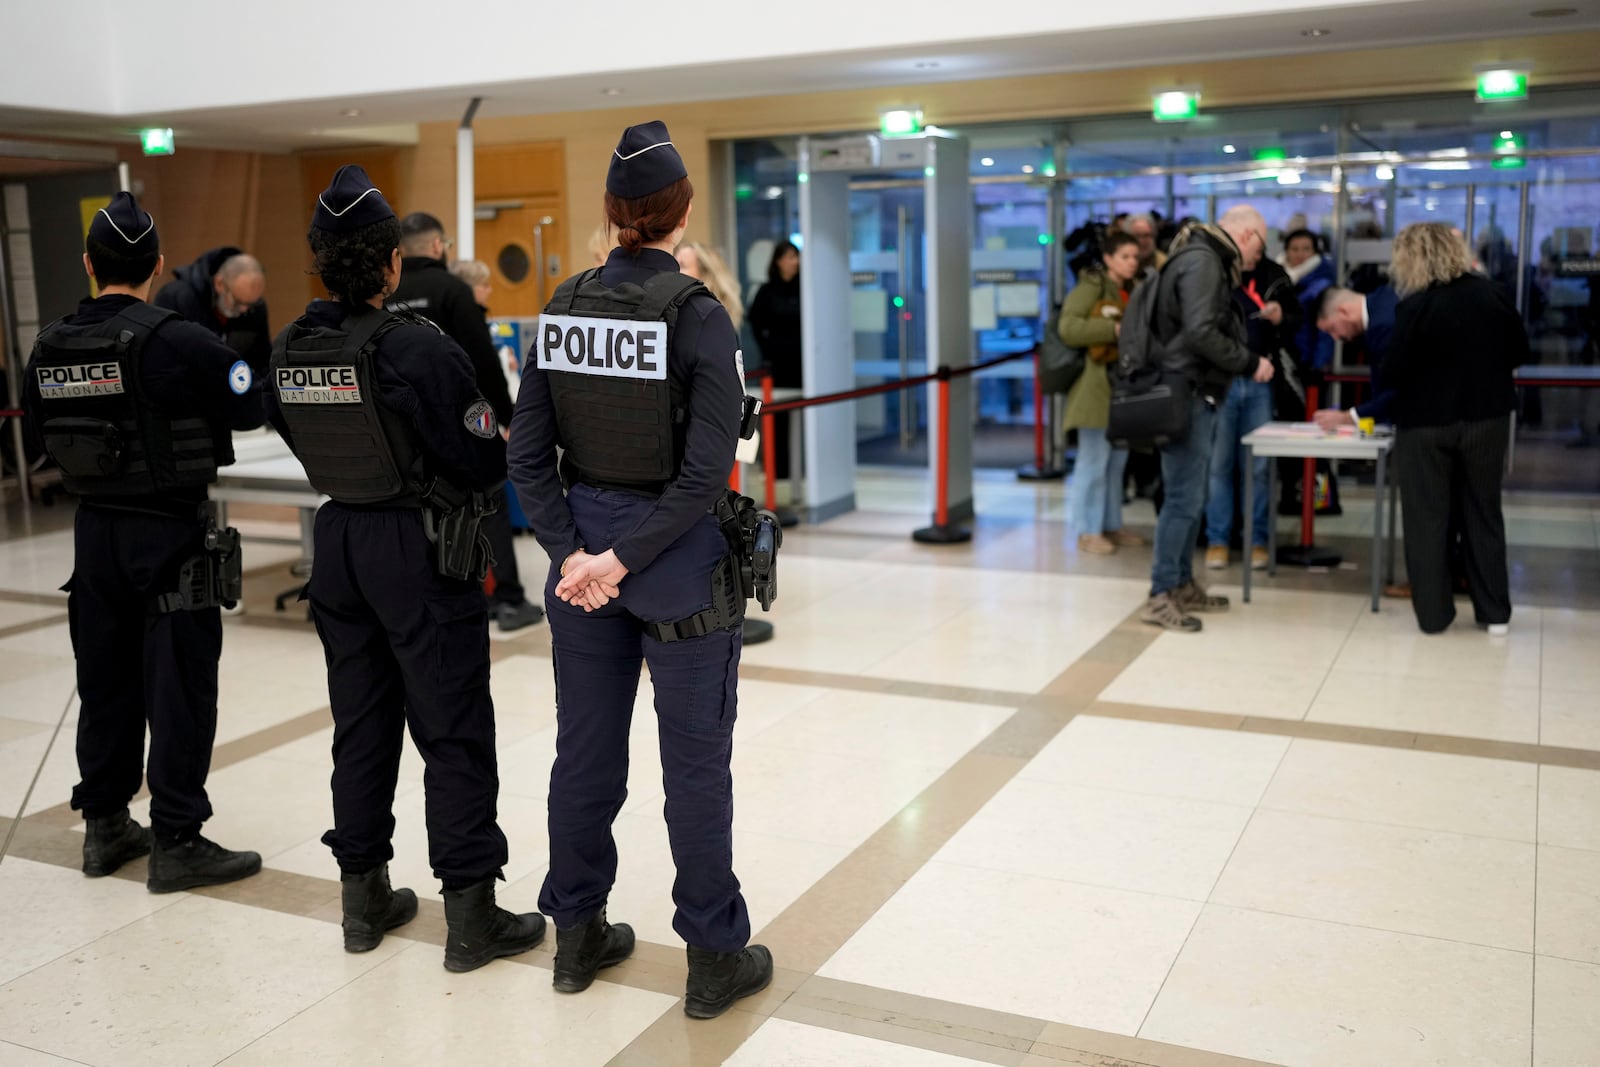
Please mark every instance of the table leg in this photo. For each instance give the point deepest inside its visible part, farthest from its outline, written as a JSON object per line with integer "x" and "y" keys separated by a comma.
{"x": 1249, "y": 509}
{"x": 1272, "y": 512}
{"x": 1394, "y": 504}
{"x": 1377, "y": 527}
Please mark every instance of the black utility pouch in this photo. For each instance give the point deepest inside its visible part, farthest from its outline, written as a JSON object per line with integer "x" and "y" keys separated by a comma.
{"x": 85, "y": 448}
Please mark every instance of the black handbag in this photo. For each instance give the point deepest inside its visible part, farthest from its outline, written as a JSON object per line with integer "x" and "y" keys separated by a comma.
{"x": 1154, "y": 407}
{"x": 1060, "y": 364}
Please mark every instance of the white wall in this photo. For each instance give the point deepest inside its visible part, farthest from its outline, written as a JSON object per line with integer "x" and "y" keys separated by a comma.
{"x": 174, "y": 55}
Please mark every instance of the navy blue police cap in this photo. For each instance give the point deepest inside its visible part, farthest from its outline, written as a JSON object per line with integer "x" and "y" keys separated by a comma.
{"x": 644, "y": 162}
{"x": 125, "y": 226}
{"x": 350, "y": 202}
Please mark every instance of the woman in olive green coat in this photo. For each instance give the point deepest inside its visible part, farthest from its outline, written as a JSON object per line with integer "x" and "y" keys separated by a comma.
{"x": 1091, "y": 320}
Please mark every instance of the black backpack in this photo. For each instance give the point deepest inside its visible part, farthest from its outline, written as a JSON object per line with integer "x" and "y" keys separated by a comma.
{"x": 1150, "y": 404}
{"x": 1060, "y": 364}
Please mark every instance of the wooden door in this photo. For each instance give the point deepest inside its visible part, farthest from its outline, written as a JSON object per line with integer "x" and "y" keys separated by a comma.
{"x": 523, "y": 246}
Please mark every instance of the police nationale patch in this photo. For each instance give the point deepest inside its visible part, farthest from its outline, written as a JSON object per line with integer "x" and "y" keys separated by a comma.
{"x": 480, "y": 420}
{"x": 318, "y": 385}
{"x": 240, "y": 378}
{"x": 80, "y": 379}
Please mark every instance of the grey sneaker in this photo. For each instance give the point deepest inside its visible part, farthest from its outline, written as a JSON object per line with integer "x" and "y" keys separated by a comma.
{"x": 1193, "y": 598}
{"x": 1163, "y": 610}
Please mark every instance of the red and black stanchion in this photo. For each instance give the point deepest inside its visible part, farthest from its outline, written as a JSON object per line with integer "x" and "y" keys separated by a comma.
{"x": 1044, "y": 467}
{"x": 769, "y": 455}
{"x": 1306, "y": 553}
{"x": 942, "y": 532}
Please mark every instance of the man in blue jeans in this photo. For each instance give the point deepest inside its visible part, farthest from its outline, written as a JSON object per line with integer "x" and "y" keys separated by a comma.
{"x": 1201, "y": 335}
{"x": 1272, "y": 319}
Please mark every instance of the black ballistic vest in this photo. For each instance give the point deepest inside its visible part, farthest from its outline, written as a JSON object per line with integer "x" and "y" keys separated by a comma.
{"x": 617, "y": 431}
{"x": 99, "y": 424}
{"x": 354, "y": 449}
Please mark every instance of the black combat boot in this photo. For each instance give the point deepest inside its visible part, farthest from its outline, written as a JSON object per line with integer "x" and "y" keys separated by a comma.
{"x": 371, "y": 907}
{"x": 583, "y": 951}
{"x": 480, "y": 930}
{"x": 196, "y": 862}
{"x": 717, "y": 979}
{"x": 110, "y": 842}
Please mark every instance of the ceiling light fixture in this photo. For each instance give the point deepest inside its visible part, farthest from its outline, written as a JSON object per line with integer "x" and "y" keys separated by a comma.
{"x": 987, "y": 161}
{"x": 1229, "y": 149}
{"x": 1027, "y": 168}
{"x": 1315, "y": 33}
{"x": 351, "y": 112}
{"x": 926, "y": 64}
{"x": 611, "y": 92}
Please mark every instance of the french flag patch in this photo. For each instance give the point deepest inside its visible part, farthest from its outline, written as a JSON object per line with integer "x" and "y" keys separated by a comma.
{"x": 480, "y": 420}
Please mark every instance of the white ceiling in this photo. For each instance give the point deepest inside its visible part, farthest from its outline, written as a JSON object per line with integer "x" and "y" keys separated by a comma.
{"x": 391, "y": 117}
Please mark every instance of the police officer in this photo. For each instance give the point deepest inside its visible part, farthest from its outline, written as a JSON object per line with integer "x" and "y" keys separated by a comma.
{"x": 383, "y": 412}
{"x": 225, "y": 291}
{"x": 636, "y": 374}
{"x": 136, "y": 405}
{"x": 428, "y": 288}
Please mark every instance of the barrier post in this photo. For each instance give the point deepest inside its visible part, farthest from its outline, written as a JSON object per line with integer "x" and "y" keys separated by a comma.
{"x": 941, "y": 532}
{"x": 1306, "y": 553}
{"x": 769, "y": 434}
{"x": 1042, "y": 469}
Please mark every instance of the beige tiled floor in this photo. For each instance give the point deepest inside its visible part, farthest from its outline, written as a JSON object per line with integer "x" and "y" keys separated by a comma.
{"x": 1242, "y": 848}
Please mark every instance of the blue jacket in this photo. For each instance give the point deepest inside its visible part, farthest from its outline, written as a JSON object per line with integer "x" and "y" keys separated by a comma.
{"x": 1380, "y": 332}
{"x": 1314, "y": 347}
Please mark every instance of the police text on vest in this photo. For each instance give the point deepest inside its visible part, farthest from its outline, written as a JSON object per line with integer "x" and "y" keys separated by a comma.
{"x": 610, "y": 348}
{"x": 80, "y": 379}
{"x": 318, "y": 385}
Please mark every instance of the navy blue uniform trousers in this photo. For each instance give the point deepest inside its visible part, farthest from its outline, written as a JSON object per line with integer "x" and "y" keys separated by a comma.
{"x": 597, "y": 663}
{"x": 405, "y": 647}
{"x": 135, "y": 666}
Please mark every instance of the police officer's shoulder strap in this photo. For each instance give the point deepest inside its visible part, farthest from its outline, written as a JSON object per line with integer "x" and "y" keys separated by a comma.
{"x": 665, "y": 293}
{"x": 146, "y": 314}
{"x": 561, "y": 302}
{"x": 363, "y": 328}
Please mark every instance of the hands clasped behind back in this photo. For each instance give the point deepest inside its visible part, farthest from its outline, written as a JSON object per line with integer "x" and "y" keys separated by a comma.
{"x": 590, "y": 581}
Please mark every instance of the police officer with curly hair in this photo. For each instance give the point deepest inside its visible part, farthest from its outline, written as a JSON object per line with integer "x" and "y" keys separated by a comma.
{"x": 636, "y": 375}
{"x": 384, "y": 413}
{"x": 136, "y": 407}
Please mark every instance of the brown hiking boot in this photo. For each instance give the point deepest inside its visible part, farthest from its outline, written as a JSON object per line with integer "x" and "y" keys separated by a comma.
{"x": 1193, "y": 598}
{"x": 1163, "y": 610}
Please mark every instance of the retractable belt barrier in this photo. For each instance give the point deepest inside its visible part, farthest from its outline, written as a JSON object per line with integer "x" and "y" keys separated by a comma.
{"x": 942, "y": 532}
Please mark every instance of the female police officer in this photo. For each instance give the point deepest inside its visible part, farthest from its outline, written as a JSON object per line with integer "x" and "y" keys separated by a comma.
{"x": 385, "y": 415}
{"x": 636, "y": 374}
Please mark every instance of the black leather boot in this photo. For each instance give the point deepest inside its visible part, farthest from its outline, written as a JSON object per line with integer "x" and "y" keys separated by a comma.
{"x": 583, "y": 951}
{"x": 371, "y": 907}
{"x": 480, "y": 930}
{"x": 110, "y": 842}
{"x": 196, "y": 862}
{"x": 717, "y": 979}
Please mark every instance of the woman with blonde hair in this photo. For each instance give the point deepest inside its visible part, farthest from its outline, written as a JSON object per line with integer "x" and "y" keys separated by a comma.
{"x": 704, "y": 263}
{"x": 1458, "y": 340}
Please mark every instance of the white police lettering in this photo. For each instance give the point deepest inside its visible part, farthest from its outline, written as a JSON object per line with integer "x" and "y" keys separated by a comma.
{"x": 80, "y": 379}
{"x": 610, "y": 348}
{"x": 318, "y": 385}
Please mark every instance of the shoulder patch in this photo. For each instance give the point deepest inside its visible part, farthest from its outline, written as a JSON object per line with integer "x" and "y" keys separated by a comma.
{"x": 480, "y": 420}
{"x": 240, "y": 378}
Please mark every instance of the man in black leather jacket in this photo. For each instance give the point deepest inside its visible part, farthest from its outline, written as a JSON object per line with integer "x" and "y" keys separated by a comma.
{"x": 1202, "y": 336}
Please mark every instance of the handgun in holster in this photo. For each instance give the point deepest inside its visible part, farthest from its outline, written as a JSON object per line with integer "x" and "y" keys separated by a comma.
{"x": 754, "y": 536}
{"x": 453, "y": 521}
{"x": 211, "y": 579}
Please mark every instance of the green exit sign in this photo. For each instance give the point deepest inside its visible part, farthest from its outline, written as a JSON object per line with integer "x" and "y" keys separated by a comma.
{"x": 157, "y": 142}
{"x": 1502, "y": 85}
{"x": 1175, "y": 105}
{"x": 900, "y": 122}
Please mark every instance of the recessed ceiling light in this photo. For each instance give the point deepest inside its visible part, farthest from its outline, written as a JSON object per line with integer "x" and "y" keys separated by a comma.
{"x": 926, "y": 64}
{"x": 351, "y": 112}
{"x": 611, "y": 92}
{"x": 1552, "y": 12}
{"x": 1027, "y": 168}
{"x": 987, "y": 161}
{"x": 1229, "y": 149}
{"x": 1315, "y": 33}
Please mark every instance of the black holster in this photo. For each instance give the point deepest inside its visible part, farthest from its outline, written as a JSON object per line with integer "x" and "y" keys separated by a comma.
{"x": 453, "y": 521}
{"x": 754, "y": 537}
{"x": 214, "y": 578}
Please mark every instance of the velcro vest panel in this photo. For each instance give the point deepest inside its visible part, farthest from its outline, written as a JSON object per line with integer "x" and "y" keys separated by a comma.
{"x": 354, "y": 449}
{"x": 619, "y": 415}
{"x": 99, "y": 423}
